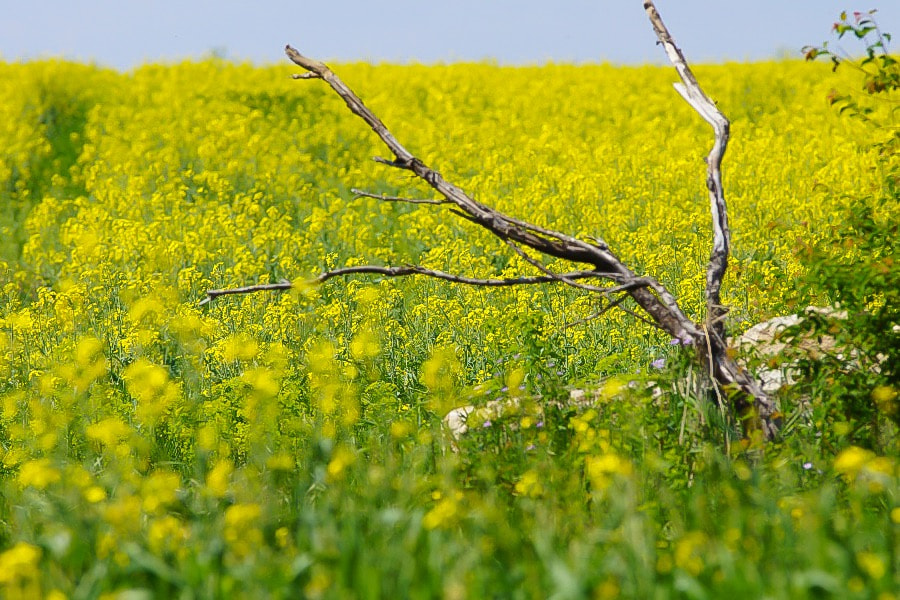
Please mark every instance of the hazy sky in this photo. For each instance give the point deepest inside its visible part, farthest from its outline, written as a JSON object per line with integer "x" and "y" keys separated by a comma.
{"x": 125, "y": 33}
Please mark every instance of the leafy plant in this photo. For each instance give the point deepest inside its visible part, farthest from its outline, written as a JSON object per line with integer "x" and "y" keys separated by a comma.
{"x": 856, "y": 382}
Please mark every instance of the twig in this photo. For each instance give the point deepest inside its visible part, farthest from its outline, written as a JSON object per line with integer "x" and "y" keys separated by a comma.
{"x": 642, "y": 318}
{"x": 364, "y": 194}
{"x": 396, "y": 272}
{"x": 247, "y": 289}
{"x": 544, "y": 269}
{"x": 603, "y": 310}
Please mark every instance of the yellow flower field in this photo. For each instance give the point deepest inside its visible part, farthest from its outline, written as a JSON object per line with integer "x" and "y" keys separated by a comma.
{"x": 277, "y": 445}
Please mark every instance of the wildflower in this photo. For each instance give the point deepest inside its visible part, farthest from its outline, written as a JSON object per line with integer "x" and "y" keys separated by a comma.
{"x": 109, "y": 431}
{"x": 341, "y": 459}
{"x": 872, "y": 564}
{"x": 400, "y": 429}
{"x": 280, "y": 462}
{"x": 241, "y": 531}
{"x": 529, "y": 484}
{"x": 850, "y": 461}
{"x": 607, "y": 590}
{"x": 94, "y": 494}
{"x": 166, "y": 534}
{"x": 124, "y": 515}
{"x": 219, "y": 478}
{"x": 282, "y": 537}
{"x": 38, "y": 473}
{"x": 611, "y": 388}
{"x": 444, "y": 514}
{"x": 89, "y": 358}
{"x": 689, "y": 552}
{"x": 239, "y": 346}
{"x": 601, "y": 469}
{"x": 885, "y": 398}
{"x": 659, "y": 363}
{"x": 150, "y": 386}
{"x": 159, "y": 490}
{"x": 364, "y": 345}
{"x": 19, "y": 563}
{"x": 264, "y": 382}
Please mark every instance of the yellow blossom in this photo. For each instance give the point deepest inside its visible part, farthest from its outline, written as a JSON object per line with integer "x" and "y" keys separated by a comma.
{"x": 166, "y": 534}
{"x": 601, "y": 469}
{"x": 38, "y": 473}
{"x": 241, "y": 529}
{"x": 851, "y": 461}
{"x": 341, "y": 459}
{"x": 159, "y": 490}
{"x": 240, "y": 347}
{"x": 149, "y": 384}
{"x": 109, "y": 431}
{"x": 529, "y": 484}
{"x": 219, "y": 478}
{"x": 689, "y": 552}
{"x": 281, "y": 462}
{"x": 444, "y": 514}
{"x": 94, "y": 494}
{"x": 18, "y": 562}
{"x": 872, "y": 564}
{"x": 364, "y": 345}
{"x": 400, "y": 429}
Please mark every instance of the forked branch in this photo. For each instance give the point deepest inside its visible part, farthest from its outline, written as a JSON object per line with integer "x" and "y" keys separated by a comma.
{"x": 652, "y": 297}
{"x": 691, "y": 91}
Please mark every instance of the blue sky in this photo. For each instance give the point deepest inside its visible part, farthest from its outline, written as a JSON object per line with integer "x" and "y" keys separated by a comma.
{"x": 124, "y": 34}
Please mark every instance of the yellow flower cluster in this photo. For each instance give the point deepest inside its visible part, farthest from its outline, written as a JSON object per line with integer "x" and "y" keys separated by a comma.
{"x": 860, "y": 466}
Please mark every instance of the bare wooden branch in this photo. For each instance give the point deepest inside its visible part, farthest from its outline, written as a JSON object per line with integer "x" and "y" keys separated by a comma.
{"x": 611, "y": 304}
{"x": 546, "y": 241}
{"x": 247, "y": 289}
{"x": 723, "y": 368}
{"x": 691, "y": 91}
{"x": 633, "y": 283}
{"x": 403, "y": 272}
{"x": 364, "y": 194}
{"x": 417, "y": 270}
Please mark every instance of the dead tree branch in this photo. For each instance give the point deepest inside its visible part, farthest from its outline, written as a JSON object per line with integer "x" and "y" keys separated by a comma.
{"x": 411, "y": 270}
{"x": 661, "y": 307}
{"x": 691, "y": 91}
{"x": 546, "y": 241}
{"x": 364, "y": 194}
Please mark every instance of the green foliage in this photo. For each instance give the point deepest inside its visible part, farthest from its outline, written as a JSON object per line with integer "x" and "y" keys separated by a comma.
{"x": 855, "y": 382}
{"x": 879, "y": 77}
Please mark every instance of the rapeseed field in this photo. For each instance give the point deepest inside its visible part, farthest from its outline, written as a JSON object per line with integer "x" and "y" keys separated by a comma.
{"x": 288, "y": 445}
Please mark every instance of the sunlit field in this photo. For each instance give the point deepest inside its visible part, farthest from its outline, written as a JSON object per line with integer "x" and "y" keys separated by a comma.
{"x": 288, "y": 445}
